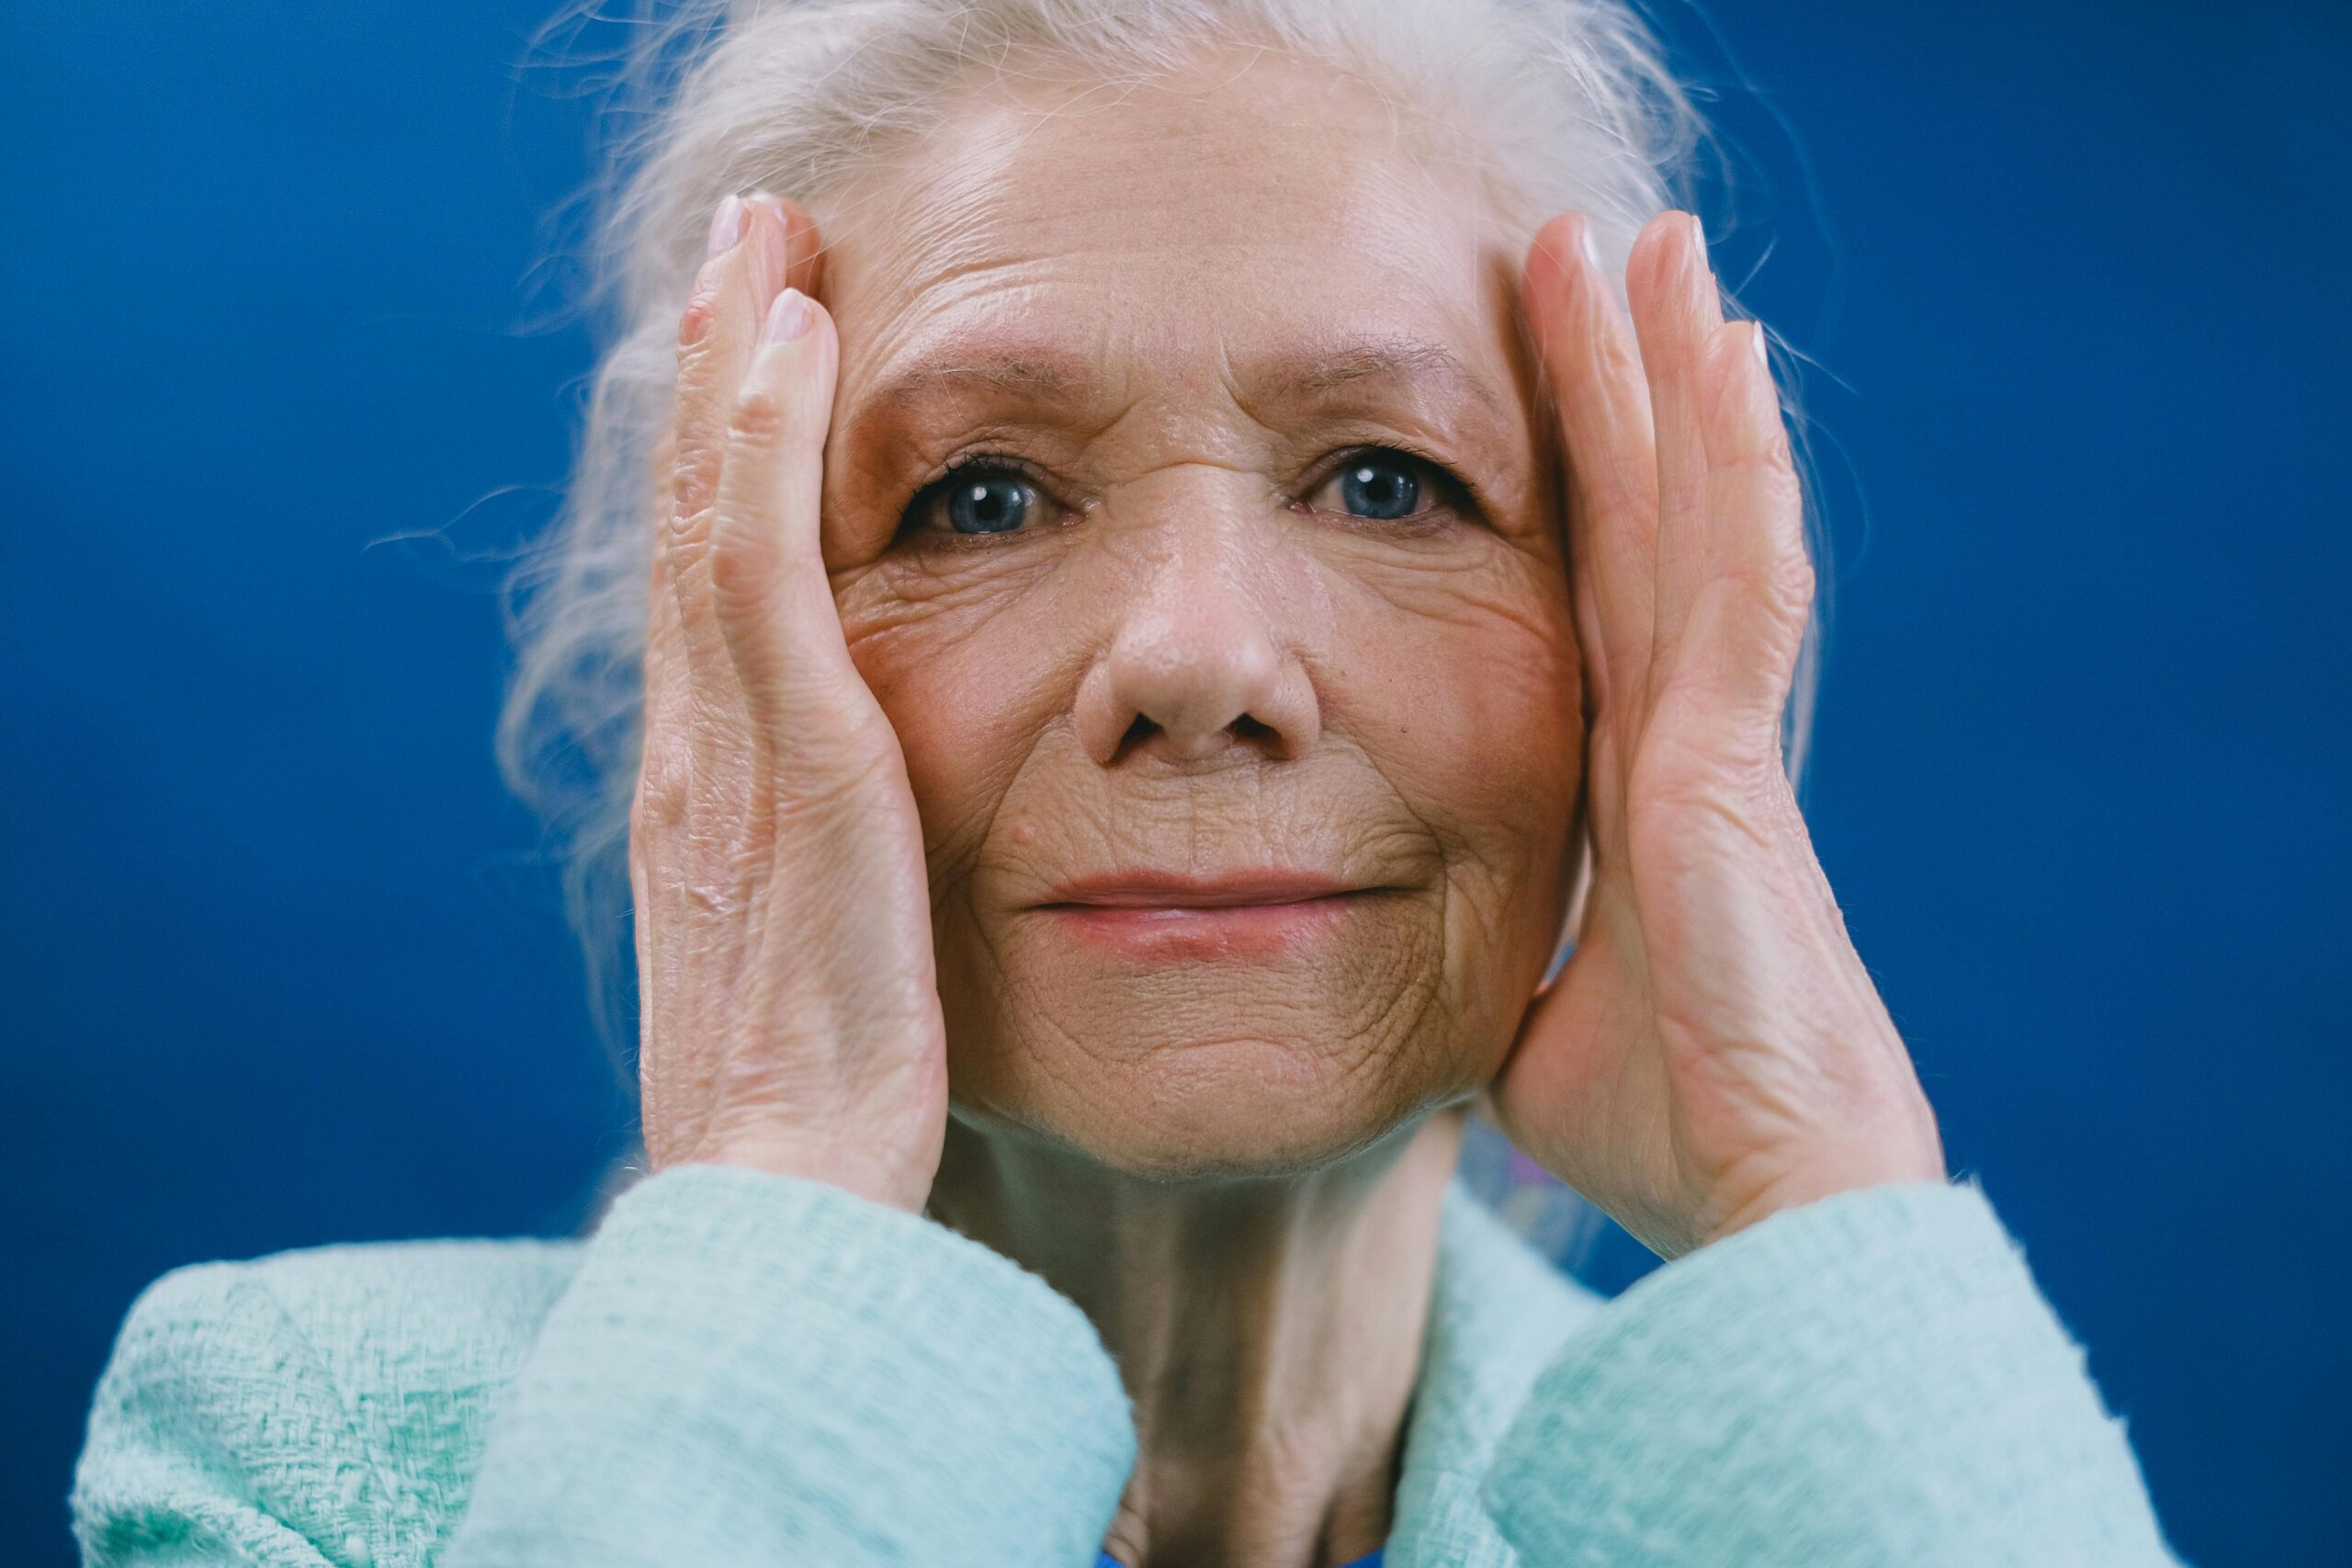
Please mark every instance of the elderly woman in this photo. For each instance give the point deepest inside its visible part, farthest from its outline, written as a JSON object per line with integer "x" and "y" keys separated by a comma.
{"x": 1179, "y": 579}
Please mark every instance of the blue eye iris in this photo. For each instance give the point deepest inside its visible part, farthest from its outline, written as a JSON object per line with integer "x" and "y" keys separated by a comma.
{"x": 995, "y": 505}
{"x": 1380, "y": 489}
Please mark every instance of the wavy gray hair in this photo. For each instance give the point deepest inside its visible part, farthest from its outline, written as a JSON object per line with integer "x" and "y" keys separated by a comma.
{"x": 1544, "y": 106}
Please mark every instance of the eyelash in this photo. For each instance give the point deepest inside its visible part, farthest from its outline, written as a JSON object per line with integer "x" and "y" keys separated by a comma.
{"x": 1459, "y": 493}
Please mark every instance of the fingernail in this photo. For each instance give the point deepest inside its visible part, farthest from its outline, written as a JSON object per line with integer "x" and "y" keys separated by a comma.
{"x": 1591, "y": 246}
{"x": 726, "y": 226}
{"x": 787, "y": 318}
{"x": 1697, "y": 236}
{"x": 1756, "y": 338}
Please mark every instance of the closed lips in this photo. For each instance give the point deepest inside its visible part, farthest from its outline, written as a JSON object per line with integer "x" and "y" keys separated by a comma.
{"x": 1167, "y": 890}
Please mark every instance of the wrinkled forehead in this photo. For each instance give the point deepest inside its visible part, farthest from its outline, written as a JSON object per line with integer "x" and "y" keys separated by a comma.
{"x": 1246, "y": 227}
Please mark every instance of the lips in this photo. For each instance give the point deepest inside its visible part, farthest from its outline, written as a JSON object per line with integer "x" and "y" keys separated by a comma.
{"x": 1251, "y": 917}
{"x": 1136, "y": 889}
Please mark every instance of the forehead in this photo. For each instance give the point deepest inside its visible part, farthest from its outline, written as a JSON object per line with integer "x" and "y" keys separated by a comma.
{"x": 1261, "y": 223}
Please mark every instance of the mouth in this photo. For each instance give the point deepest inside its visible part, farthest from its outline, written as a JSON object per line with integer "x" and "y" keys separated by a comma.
{"x": 1156, "y": 916}
{"x": 1174, "y": 890}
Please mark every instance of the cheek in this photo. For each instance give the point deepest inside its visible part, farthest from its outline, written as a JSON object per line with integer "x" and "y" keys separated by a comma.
{"x": 968, "y": 684}
{"x": 1470, "y": 702}
{"x": 1473, "y": 714}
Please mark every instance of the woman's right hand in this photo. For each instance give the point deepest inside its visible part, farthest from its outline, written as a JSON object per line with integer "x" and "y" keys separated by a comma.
{"x": 787, "y": 988}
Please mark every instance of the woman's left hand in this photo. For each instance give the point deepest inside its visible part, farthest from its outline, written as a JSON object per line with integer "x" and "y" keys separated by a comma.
{"x": 1713, "y": 1051}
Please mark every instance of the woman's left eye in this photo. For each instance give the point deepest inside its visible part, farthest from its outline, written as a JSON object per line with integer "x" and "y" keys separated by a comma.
{"x": 1380, "y": 485}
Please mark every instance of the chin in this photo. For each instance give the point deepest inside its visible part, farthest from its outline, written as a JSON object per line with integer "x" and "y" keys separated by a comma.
{"x": 1180, "y": 1068}
{"x": 1217, "y": 1109}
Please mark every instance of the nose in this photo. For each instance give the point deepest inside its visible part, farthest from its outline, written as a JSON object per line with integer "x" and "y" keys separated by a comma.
{"x": 1199, "y": 663}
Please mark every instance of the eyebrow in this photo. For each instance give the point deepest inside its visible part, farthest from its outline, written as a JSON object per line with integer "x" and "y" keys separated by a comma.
{"x": 1393, "y": 359}
{"x": 1053, "y": 377}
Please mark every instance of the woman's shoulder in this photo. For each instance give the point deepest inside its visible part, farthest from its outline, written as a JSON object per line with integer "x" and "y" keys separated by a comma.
{"x": 361, "y": 1309}
{"x": 316, "y": 1374}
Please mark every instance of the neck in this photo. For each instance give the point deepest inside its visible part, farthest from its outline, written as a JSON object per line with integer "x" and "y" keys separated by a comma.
{"x": 1268, "y": 1330}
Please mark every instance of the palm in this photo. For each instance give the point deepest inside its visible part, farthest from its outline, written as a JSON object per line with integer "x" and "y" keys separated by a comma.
{"x": 1713, "y": 1049}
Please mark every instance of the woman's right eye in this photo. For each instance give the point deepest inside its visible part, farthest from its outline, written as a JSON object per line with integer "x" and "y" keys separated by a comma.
{"x": 975, "y": 497}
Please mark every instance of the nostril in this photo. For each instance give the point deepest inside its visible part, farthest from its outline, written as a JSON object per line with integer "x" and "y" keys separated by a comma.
{"x": 1243, "y": 728}
{"x": 1204, "y": 744}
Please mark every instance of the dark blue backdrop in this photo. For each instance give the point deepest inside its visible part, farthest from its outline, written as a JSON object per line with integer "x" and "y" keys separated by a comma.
{"x": 278, "y": 970}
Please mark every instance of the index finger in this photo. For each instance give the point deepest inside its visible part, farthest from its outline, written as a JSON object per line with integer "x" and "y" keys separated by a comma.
{"x": 1594, "y": 371}
{"x": 743, "y": 273}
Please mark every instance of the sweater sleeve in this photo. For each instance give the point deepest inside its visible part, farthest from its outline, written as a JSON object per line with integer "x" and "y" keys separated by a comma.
{"x": 1873, "y": 1378}
{"x": 755, "y": 1370}
{"x": 745, "y": 1369}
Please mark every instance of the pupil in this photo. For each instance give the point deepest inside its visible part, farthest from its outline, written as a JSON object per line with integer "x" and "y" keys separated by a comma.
{"x": 987, "y": 506}
{"x": 1383, "y": 490}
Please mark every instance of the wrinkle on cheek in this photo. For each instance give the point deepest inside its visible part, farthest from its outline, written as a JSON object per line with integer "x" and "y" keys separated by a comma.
{"x": 959, "y": 790}
{"x": 1467, "y": 704}
{"x": 1401, "y": 985}
{"x": 876, "y": 608}
{"x": 1474, "y": 592}
{"x": 969, "y": 709}
{"x": 1434, "y": 676}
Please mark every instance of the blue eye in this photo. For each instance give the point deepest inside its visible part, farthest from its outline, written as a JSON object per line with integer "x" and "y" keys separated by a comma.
{"x": 995, "y": 504}
{"x": 978, "y": 496}
{"x": 1389, "y": 484}
{"x": 1380, "y": 488}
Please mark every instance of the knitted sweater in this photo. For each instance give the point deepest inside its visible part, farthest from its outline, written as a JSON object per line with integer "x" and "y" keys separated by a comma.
{"x": 739, "y": 1370}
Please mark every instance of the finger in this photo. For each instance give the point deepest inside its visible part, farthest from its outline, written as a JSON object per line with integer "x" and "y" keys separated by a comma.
{"x": 1595, "y": 374}
{"x": 771, "y": 596}
{"x": 666, "y": 691}
{"x": 1676, "y": 310}
{"x": 715, "y": 343}
{"x": 664, "y": 787}
{"x": 1747, "y": 624}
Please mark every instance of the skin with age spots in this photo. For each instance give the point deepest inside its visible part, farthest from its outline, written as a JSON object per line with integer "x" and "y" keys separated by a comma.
{"x": 1172, "y": 322}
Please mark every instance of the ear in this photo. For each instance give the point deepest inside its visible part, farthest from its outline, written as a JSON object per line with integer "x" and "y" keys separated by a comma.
{"x": 804, "y": 254}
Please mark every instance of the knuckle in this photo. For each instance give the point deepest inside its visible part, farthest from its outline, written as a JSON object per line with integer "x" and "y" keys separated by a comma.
{"x": 1782, "y": 582}
{"x": 758, "y": 417}
{"x": 1789, "y": 583}
{"x": 664, "y": 778}
{"x": 738, "y": 574}
{"x": 661, "y": 806}
{"x": 694, "y": 486}
{"x": 719, "y": 902}
{"x": 739, "y": 534}
{"x": 1776, "y": 475}
{"x": 686, "y": 530}
{"x": 701, "y": 455}
{"x": 700, "y": 317}
{"x": 1620, "y": 358}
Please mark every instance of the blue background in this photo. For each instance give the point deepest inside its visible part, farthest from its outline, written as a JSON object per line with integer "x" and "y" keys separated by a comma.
{"x": 281, "y": 969}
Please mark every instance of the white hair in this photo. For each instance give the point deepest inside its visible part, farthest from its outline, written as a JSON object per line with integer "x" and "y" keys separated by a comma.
{"x": 1550, "y": 105}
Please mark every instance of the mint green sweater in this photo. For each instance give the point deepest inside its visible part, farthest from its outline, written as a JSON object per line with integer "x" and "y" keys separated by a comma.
{"x": 740, "y": 1369}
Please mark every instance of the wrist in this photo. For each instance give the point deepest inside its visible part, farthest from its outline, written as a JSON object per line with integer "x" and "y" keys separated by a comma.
{"x": 1850, "y": 1172}
{"x": 893, "y": 1185}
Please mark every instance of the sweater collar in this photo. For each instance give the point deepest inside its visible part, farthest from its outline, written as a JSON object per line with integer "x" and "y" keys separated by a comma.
{"x": 1498, "y": 1315}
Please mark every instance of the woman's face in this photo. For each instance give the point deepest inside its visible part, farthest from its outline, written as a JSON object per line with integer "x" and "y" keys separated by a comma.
{"x": 1184, "y": 620}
